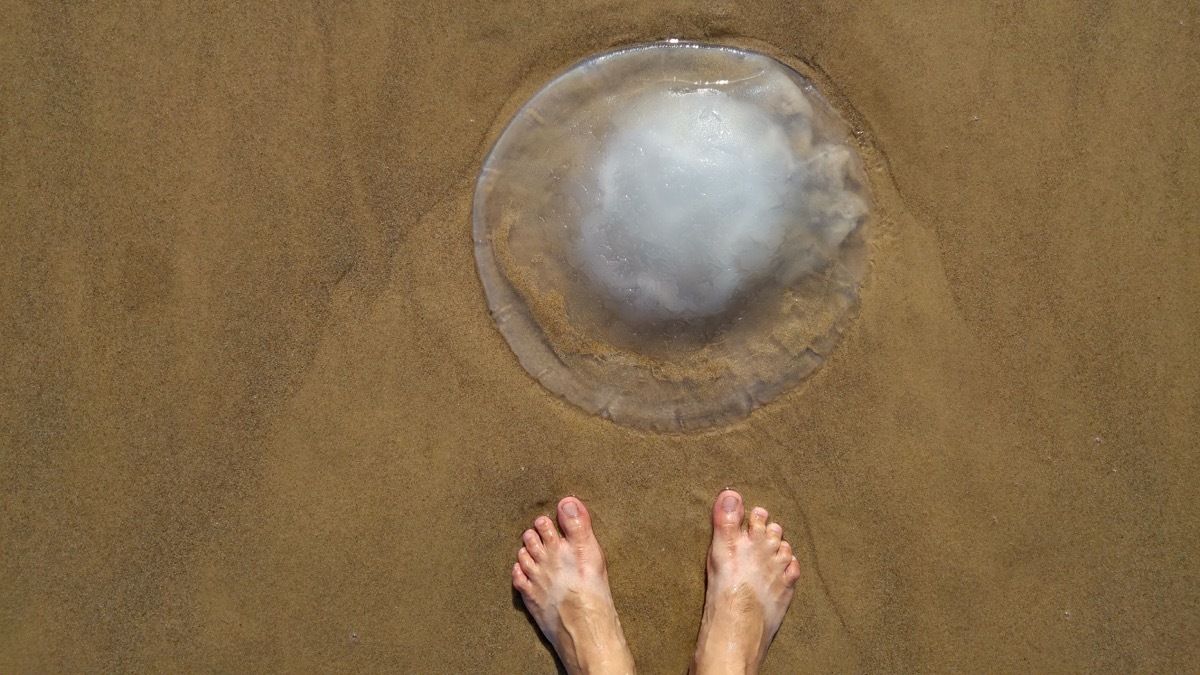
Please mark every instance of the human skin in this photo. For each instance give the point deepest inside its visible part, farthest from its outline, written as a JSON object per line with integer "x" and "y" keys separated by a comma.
{"x": 563, "y": 579}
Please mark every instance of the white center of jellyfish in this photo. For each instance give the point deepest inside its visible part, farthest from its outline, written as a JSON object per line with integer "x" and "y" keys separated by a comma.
{"x": 691, "y": 188}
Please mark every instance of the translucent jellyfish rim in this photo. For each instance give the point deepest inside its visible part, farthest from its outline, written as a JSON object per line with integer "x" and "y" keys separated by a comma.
{"x": 538, "y": 357}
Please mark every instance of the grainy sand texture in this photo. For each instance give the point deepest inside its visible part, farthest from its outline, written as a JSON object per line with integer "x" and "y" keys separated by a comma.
{"x": 255, "y": 416}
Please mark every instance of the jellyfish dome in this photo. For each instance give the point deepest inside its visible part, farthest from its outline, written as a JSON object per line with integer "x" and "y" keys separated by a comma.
{"x": 672, "y": 235}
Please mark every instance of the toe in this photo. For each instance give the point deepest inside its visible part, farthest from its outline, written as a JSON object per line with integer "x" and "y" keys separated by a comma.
{"x": 526, "y": 561}
{"x": 784, "y": 553}
{"x": 758, "y": 523}
{"x": 545, "y": 529}
{"x": 574, "y": 519}
{"x": 792, "y": 572}
{"x": 520, "y": 581}
{"x": 727, "y": 515}
{"x": 533, "y": 544}
{"x": 774, "y": 536}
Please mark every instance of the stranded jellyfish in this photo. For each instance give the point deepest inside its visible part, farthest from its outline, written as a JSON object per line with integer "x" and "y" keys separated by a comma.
{"x": 672, "y": 235}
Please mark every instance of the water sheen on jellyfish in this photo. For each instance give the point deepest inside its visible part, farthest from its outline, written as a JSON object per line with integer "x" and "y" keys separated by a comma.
{"x": 672, "y": 235}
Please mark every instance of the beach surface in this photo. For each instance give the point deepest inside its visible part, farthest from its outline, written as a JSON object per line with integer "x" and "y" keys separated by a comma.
{"x": 255, "y": 416}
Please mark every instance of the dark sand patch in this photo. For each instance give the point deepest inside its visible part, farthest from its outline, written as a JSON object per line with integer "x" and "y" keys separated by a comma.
{"x": 255, "y": 415}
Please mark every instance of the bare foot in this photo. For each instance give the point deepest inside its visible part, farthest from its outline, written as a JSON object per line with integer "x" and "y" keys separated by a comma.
{"x": 751, "y": 577}
{"x": 564, "y": 583}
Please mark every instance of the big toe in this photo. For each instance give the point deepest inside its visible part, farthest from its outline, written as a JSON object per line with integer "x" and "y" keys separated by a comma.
{"x": 574, "y": 519}
{"x": 727, "y": 514}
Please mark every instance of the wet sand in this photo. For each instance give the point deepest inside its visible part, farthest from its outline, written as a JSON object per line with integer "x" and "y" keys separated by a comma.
{"x": 254, "y": 414}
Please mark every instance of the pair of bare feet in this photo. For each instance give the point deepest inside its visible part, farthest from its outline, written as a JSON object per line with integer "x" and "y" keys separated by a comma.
{"x": 563, "y": 580}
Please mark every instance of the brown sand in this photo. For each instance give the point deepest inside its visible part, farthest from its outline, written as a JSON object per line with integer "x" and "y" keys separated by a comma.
{"x": 255, "y": 415}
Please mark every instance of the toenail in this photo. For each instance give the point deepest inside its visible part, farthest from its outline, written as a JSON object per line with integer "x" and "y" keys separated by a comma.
{"x": 730, "y": 504}
{"x": 760, "y": 512}
{"x": 570, "y": 509}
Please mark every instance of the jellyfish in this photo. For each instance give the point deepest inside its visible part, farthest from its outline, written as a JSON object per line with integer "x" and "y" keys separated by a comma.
{"x": 673, "y": 235}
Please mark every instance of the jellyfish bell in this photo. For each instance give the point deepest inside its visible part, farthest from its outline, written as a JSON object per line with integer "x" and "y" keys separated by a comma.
{"x": 690, "y": 193}
{"x": 671, "y": 235}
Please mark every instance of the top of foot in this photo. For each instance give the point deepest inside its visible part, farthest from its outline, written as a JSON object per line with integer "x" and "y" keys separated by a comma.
{"x": 563, "y": 579}
{"x": 751, "y": 578}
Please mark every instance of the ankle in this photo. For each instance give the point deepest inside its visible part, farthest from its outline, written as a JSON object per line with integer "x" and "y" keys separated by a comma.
{"x": 600, "y": 649}
{"x": 708, "y": 663}
{"x": 609, "y": 662}
{"x": 714, "y": 655}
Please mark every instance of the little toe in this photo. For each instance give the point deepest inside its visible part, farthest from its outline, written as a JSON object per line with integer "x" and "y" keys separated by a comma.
{"x": 520, "y": 581}
{"x": 533, "y": 544}
{"x": 545, "y": 529}
{"x": 574, "y": 519}
{"x": 728, "y": 511}
{"x": 758, "y": 523}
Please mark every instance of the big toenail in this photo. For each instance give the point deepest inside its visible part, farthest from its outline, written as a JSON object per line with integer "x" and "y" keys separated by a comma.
{"x": 570, "y": 509}
{"x": 730, "y": 504}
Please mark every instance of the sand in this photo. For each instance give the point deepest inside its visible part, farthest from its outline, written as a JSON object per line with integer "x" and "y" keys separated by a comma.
{"x": 255, "y": 415}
